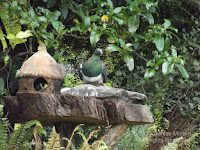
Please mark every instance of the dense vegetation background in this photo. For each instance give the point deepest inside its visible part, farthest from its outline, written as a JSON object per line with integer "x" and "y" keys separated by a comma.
{"x": 152, "y": 47}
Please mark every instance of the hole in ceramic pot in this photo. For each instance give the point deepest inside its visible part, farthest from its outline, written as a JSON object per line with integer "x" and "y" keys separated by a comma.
{"x": 40, "y": 84}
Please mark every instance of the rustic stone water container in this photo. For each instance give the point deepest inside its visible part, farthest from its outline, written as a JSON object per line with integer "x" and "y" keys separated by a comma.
{"x": 40, "y": 74}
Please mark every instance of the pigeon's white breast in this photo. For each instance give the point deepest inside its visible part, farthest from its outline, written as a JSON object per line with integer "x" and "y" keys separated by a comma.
{"x": 93, "y": 79}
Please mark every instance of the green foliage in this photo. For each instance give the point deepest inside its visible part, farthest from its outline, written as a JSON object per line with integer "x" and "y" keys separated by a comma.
{"x": 173, "y": 145}
{"x": 19, "y": 138}
{"x": 181, "y": 143}
{"x": 9, "y": 16}
{"x": 54, "y": 140}
{"x": 145, "y": 51}
{"x": 134, "y": 138}
{"x": 71, "y": 80}
{"x": 187, "y": 143}
{"x": 23, "y": 133}
{"x": 4, "y": 124}
{"x": 97, "y": 145}
{"x": 20, "y": 134}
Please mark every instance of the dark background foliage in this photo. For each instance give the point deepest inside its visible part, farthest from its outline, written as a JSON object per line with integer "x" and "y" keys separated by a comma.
{"x": 150, "y": 47}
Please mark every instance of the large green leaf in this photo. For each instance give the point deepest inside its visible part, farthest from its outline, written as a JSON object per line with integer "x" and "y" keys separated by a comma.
{"x": 55, "y": 15}
{"x": 113, "y": 48}
{"x": 64, "y": 11}
{"x": 117, "y": 10}
{"x": 95, "y": 37}
{"x": 94, "y": 18}
{"x": 167, "y": 44}
{"x": 42, "y": 18}
{"x": 118, "y": 19}
{"x": 159, "y": 42}
{"x": 174, "y": 53}
{"x": 129, "y": 62}
{"x": 86, "y": 23}
{"x": 133, "y": 23}
{"x": 31, "y": 12}
{"x": 55, "y": 24}
{"x": 183, "y": 71}
{"x": 77, "y": 28}
{"x": 111, "y": 35}
{"x": 110, "y": 4}
{"x": 150, "y": 18}
{"x": 1, "y": 84}
{"x": 167, "y": 67}
{"x": 149, "y": 73}
{"x": 51, "y": 3}
{"x": 122, "y": 43}
{"x": 24, "y": 34}
{"x": 6, "y": 59}
{"x": 167, "y": 23}
{"x": 24, "y": 21}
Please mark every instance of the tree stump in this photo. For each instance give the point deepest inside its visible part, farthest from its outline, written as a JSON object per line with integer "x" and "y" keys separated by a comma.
{"x": 95, "y": 106}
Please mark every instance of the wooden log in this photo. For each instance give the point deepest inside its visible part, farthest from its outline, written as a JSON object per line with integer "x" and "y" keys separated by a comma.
{"x": 65, "y": 111}
{"x": 130, "y": 114}
{"x": 114, "y": 134}
{"x": 51, "y": 109}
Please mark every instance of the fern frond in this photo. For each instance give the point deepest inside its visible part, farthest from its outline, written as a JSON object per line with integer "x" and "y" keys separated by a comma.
{"x": 173, "y": 145}
{"x": 86, "y": 144}
{"x": 66, "y": 139}
{"x": 12, "y": 26}
{"x": 70, "y": 140}
{"x": 4, "y": 124}
{"x": 54, "y": 140}
{"x": 19, "y": 135}
{"x": 100, "y": 144}
{"x": 38, "y": 142}
{"x": 188, "y": 142}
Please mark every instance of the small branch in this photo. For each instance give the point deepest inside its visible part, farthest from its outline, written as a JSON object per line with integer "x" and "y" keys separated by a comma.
{"x": 7, "y": 81}
{"x": 140, "y": 56}
{"x": 142, "y": 46}
{"x": 30, "y": 50}
{"x": 22, "y": 54}
{"x": 186, "y": 11}
{"x": 76, "y": 36}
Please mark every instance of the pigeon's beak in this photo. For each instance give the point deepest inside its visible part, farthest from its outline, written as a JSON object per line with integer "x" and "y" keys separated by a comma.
{"x": 101, "y": 52}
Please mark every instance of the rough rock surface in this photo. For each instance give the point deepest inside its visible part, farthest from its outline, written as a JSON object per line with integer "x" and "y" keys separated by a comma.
{"x": 106, "y": 93}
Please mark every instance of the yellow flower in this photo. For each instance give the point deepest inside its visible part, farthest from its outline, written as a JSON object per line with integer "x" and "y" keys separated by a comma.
{"x": 104, "y": 18}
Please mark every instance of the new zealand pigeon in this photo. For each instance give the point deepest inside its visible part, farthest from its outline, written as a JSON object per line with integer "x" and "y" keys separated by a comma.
{"x": 93, "y": 70}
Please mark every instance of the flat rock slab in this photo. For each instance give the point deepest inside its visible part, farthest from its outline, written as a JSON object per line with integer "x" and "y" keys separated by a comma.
{"x": 106, "y": 93}
{"x": 50, "y": 109}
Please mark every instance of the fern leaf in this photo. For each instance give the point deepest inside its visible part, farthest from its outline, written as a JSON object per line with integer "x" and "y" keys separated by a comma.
{"x": 188, "y": 142}
{"x": 18, "y": 136}
{"x": 70, "y": 140}
{"x": 173, "y": 145}
{"x": 86, "y": 144}
{"x": 100, "y": 144}
{"x": 4, "y": 124}
{"x": 54, "y": 140}
{"x": 37, "y": 138}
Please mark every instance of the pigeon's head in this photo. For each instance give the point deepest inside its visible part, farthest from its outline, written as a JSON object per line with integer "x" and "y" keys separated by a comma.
{"x": 98, "y": 51}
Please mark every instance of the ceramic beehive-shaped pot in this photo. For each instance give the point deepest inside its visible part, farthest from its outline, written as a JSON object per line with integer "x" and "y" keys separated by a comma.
{"x": 40, "y": 73}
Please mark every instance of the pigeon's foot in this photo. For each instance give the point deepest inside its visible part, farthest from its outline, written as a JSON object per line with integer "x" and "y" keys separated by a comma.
{"x": 100, "y": 83}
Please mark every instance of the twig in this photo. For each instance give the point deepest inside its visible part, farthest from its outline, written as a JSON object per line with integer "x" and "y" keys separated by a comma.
{"x": 186, "y": 11}
{"x": 133, "y": 137}
{"x": 142, "y": 46}
{"x": 140, "y": 56}
{"x": 30, "y": 45}
{"x": 76, "y": 36}
{"x": 22, "y": 54}
{"x": 9, "y": 76}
